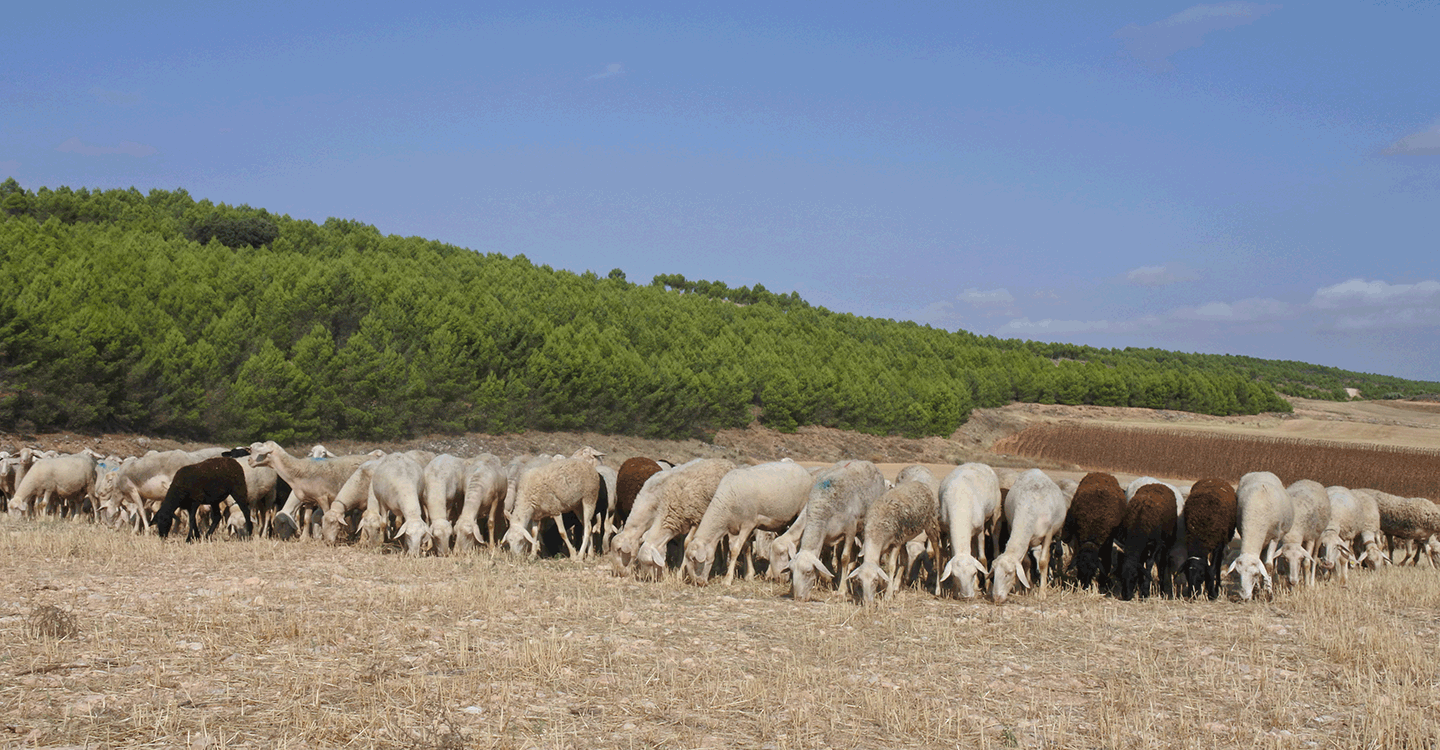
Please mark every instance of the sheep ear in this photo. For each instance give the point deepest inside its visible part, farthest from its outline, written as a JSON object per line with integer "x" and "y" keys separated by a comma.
{"x": 853, "y": 575}
{"x": 528, "y": 536}
{"x": 824, "y": 571}
{"x": 883, "y": 574}
{"x": 782, "y": 567}
{"x": 1020, "y": 576}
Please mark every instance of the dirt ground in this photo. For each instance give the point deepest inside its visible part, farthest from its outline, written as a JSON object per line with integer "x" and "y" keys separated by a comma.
{"x": 109, "y": 639}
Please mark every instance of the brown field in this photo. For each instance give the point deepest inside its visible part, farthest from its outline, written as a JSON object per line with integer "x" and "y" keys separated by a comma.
{"x": 113, "y": 640}
{"x": 1409, "y": 472}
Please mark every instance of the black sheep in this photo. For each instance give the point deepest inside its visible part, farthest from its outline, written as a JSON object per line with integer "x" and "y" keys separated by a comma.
{"x": 206, "y": 483}
{"x": 1091, "y": 526}
{"x": 1210, "y": 513}
{"x": 1147, "y": 533}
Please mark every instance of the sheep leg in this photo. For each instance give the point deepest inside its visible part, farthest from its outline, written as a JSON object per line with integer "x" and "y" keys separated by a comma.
{"x": 587, "y": 514}
{"x": 565, "y": 537}
{"x": 735, "y": 549}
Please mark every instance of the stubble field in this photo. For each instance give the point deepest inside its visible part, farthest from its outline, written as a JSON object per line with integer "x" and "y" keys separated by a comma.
{"x": 113, "y": 640}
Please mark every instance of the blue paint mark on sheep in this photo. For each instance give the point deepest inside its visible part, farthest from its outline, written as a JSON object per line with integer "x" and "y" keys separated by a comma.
{"x": 825, "y": 484}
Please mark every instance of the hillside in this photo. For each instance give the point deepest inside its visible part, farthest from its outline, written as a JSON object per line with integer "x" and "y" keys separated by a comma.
{"x": 159, "y": 314}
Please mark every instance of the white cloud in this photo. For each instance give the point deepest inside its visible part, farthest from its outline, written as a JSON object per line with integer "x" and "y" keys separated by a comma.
{"x": 1155, "y": 43}
{"x": 1159, "y": 275}
{"x": 1361, "y": 293}
{"x": 1036, "y": 329}
{"x": 1254, "y": 310}
{"x": 1425, "y": 143}
{"x": 77, "y": 146}
{"x": 613, "y": 69}
{"x": 978, "y": 298}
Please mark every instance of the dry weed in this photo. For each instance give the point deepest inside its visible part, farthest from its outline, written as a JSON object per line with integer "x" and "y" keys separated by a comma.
{"x": 268, "y": 644}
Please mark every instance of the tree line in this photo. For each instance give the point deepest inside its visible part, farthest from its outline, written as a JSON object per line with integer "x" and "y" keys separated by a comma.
{"x": 157, "y": 313}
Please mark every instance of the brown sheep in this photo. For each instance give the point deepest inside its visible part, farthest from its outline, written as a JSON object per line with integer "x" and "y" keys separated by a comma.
{"x": 1147, "y": 533}
{"x": 1091, "y": 526}
{"x": 1210, "y": 518}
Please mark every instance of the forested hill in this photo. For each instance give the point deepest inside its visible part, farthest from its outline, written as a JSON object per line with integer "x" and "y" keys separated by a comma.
{"x": 160, "y": 314}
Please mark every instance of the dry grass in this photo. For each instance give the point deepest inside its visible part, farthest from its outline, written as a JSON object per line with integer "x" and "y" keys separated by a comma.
{"x": 267, "y": 644}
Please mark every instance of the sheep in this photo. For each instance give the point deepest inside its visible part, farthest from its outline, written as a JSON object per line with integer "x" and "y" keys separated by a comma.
{"x": 1210, "y": 517}
{"x": 1408, "y": 519}
{"x": 320, "y": 451}
{"x": 1368, "y": 542}
{"x": 444, "y": 496}
{"x": 605, "y": 506}
{"x": 208, "y": 482}
{"x": 397, "y": 485}
{"x": 768, "y": 496}
{"x": 783, "y": 547}
{"x": 143, "y": 479}
{"x": 1035, "y": 509}
{"x": 485, "y": 486}
{"x": 63, "y": 478}
{"x": 1147, "y": 534}
{"x": 835, "y": 510}
{"x": 969, "y": 508}
{"x": 313, "y": 481}
{"x": 1264, "y": 514}
{"x": 1299, "y": 545}
{"x": 626, "y": 543}
{"x": 564, "y": 485}
{"x": 683, "y": 502}
{"x": 1091, "y": 525}
{"x": 353, "y": 495}
{"x": 1336, "y": 553}
{"x": 910, "y": 509}
{"x": 263, "y": 487}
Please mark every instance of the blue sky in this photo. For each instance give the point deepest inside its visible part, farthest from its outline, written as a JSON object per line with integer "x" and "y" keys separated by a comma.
{"x": 1243, "y": 178}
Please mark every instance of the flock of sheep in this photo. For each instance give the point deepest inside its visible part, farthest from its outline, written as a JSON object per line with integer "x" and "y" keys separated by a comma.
{"x": 844, "y": 525}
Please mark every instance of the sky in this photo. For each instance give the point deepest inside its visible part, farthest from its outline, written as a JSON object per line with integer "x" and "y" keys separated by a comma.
{"x": 1240, "y": 178}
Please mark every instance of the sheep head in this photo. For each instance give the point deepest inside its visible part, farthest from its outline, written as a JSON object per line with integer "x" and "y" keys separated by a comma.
{"x": 1005, "y": 573}
{"x": 967, "y": 572}
{"x": 441, "y": 532}
{"x": 518, "y": 535}
{"x": 650, "y": 561}
{"x": 330, "y": 526}
{"x": 697, "y": 563}
{"x": 781, "y": 553}
{"x": 805, "y": 569}
{"x": 1295, "y": 557}
{"x": 414, "y": 535}
{"x": 868, "y": 576}
{"x": 1251, "y": 572}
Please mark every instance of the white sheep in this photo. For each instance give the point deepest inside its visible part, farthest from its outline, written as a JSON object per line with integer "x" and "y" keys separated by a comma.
{"x": 397, "y": 485}
{"x": 353, "y": 494}
{"x": 320, "y": 451}
{"x": 313, "y": 482}
{"x": 684, "y": 500}
{"x": 66, "y": 478}
{"x": 444, "y": 496}
{"x": 839, "y": 499}
{"x": 1336, "y": 553}
{"x": 485, "y": 486}
{"x": 1407, "y": 520}
{"x": 969, "y": 510}
{"x": 568, "y": 485}
{"x": 643, "y": 512}
{"x": 909, "y": 509}
{"x": 1264, "y": 515}
{"x": 1301, "y": 542}
{"x": 1035, "y": 508}
{"x": 768, "y": 496}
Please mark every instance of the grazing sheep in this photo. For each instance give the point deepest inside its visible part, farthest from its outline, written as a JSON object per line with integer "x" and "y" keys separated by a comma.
{"x": 969, "y": 509}
{"x": 353, "y": 495}
{"x": 145, "y": 480}
{"x": 1177, "y": 551}
{"x": 902, "y": 513}
{"x": 1092, "y": 525}
{"x": 397, "y": 485}
{"x": 629, "y": 479}
{"x": 1210, "y": 518}
{"x": 839, "y": 499}
{"x": 313, "y": 482}
{"x": 1368, "y": 542}
{"x": 548, "y": 491}
{"x": 783, "y": 547}
{"x": 684, "y": 499}
{"x": 1147, "y": 533}
{"x": 1264, "y": 514}
{"x": 485, "y": 486}
{"x": 263, "y": 488}
{"x": 1035, "y": 510}
{"x": 64, "y": 478}
{"x": 1404, "y": 519}
{"x": 1301, "y": 542}
{"x": 444, "y": 496}
{"x": 768, "y": 497}
{"x": 208, "y": 482}
{"x": 1336, "y": 553}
